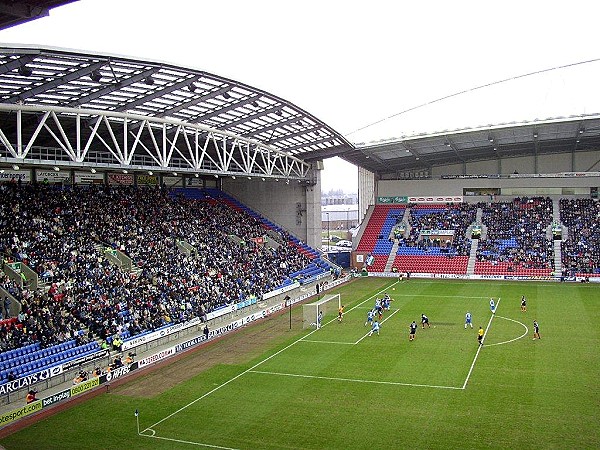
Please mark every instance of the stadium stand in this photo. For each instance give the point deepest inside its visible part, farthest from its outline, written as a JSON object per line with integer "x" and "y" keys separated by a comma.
{"x": 61, "y": 233}
{"x": 517, "y": 241}
{"x": 581, "y": 250}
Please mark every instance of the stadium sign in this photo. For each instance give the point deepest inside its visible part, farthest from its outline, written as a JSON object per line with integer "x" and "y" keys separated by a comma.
{"x": 85, "y": 386}
{"x": 147, "y": 180}
{"x": 281, "y": 290}
{"x": 156, "y": 357}
{"x": 56, "y": 398}
{"x": 118, "y": 372}
{"x": 77, "y": 362}
{"x": 436, "y": 199}
{"x": 20, "y": 412}
{"x": 391, "y": 200}
{"x": 123, "y": 179}
{"x": 187, "y": 344}
{"x": 136, "y": 341}
{"x": 89, "y": 178}
{"x": 20, "y": 383}
{"x": 51, "y": 176}
{"x": 15, "y": 175}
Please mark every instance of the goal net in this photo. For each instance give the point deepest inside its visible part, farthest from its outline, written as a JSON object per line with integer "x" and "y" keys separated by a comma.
{"x": 328, "y": 304}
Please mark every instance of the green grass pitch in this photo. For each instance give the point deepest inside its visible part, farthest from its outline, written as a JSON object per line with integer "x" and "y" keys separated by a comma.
{"x": 336, "y": 388}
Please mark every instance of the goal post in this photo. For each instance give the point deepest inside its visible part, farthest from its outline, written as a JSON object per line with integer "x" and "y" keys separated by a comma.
{"x": 326, "y": 305}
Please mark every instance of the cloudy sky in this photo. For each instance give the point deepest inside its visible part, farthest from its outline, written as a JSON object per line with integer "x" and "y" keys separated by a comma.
{"x": 358, "y": 65}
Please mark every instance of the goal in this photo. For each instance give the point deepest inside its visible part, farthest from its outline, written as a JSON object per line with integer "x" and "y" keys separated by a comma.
{"x": 311, "y": 310}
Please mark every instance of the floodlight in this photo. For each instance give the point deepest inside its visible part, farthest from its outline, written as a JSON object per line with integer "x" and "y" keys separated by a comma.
{"x": 25, "y": 71}
{"x": 96, "y": 76}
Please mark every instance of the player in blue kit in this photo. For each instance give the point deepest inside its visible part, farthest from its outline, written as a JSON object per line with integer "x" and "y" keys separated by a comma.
{"x": 468, "y": 320}
{"x": 374, "y": 328}
{"x": 379, "y": 308}
{"x": 492, "y": 306}
{"x": 370, "y": 316}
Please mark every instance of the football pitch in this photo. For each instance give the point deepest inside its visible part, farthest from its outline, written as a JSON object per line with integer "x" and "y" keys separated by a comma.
{"x": 339, "y": 388}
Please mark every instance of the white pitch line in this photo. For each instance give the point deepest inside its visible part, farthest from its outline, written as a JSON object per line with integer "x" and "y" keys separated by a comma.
{"x": 434, "y": 296}
{"x": 248, "y": 370}
{"x": 328, "y": 342}
{"x": 479, "y": 349}
{"x": 199, "y": 444}
{"x": 391, "y": 383}
{"x": 381, "y": 322}
{"x": 515, "y": 339}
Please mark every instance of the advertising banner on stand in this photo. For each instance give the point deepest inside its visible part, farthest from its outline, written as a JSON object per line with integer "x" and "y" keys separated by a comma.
{"x": 53, "y": 177}
{"x": 89, "y": 178}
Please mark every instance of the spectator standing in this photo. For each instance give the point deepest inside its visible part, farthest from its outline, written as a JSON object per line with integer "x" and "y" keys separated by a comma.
{"x": 7, "y": 303}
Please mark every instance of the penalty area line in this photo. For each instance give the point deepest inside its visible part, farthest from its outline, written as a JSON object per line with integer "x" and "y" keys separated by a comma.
{"x": 327, "y": 342}
{"x": 352, "y": 380}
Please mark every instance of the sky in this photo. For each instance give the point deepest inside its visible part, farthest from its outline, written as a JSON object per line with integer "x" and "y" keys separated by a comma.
{"x": 360, "y": 66}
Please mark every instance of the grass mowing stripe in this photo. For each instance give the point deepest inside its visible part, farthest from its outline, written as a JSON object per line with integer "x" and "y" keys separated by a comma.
{"x": 480, "y": 347}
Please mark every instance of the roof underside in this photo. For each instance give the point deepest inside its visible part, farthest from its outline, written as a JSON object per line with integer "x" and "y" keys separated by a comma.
{"x": 17, "y": 12}
{"x": 560, "y": 135}
{"x": 57, "y": 77}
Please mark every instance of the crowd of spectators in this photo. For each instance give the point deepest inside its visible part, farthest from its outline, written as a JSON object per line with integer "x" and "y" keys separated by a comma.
{"x": 59, "y": 233}
{"x": 581, "y": 250}
{"x": 516, "y": 233}
{"x": 456, "y": 217}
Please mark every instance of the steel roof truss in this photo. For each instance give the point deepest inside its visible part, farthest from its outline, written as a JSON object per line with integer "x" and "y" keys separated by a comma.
{"x": 173, "y": 143}
{"x": 204, "y": 152}
{"x": 175, "y": 148}
{"x": 161, "y": 161}
{"x": 64, "y": 143}
{"x": 34, "y": 135}
{"x": 7, "y": 144}
{"x": 89, "y": 141}
{"x": 121, "y": 159}
{"x": 136, "y": 141}
{"x": 147, "y": 150}
{"x": 192, "y": 152}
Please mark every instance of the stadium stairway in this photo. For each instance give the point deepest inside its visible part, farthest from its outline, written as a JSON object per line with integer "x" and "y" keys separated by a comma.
{"x": 557, "y": 257}
{"x": 392, "y": 257}
{"x": 472, "y": 257}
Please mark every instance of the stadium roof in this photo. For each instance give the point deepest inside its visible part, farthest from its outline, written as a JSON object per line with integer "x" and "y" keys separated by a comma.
{"x": 17, "y": 12}
{"x": 65, "y": 78}
{"x": 123, "y": 86}
{"x": 424, "y": 151}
